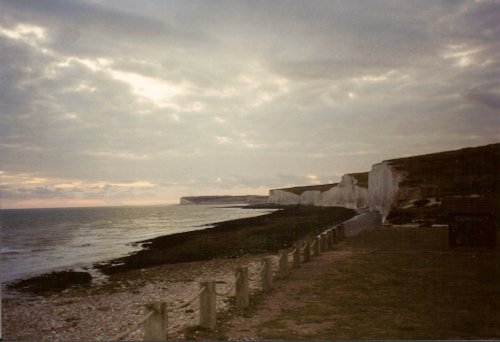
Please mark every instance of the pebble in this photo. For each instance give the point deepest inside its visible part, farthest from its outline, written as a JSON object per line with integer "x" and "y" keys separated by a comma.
{"x": 100, "y": 316}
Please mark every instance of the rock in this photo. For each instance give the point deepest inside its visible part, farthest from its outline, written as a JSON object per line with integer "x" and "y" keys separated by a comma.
{"x": 52, "y": 282}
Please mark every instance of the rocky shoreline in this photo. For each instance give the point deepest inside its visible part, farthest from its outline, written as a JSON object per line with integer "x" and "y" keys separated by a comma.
{"x": 168, "y": 269}
{"x": 253, "y": 235}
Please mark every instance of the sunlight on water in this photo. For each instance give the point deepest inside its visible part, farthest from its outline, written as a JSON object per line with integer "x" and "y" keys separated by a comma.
{"x": 35, "y": 241}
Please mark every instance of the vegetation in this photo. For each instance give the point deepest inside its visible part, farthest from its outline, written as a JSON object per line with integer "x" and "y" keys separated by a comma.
{"x": 399, "y": 283}
{"x": 461, "y": 172}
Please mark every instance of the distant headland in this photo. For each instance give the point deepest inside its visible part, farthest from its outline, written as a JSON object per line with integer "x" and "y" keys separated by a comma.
{"x": 206, "y": 200}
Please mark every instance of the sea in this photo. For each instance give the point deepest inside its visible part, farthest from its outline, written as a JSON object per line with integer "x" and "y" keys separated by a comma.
{"x": 37, "y": 241}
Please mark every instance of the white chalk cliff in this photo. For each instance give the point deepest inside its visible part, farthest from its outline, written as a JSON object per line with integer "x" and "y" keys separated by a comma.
{"x": 283, "y": 197}
{"x": 383, "y": 186}
{"x": 347, "y": 194}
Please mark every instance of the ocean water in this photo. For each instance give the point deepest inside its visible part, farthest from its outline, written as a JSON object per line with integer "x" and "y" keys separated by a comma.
{"x": 36, "y": 241}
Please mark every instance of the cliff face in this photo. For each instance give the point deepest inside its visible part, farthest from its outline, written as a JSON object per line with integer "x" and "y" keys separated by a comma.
{"x": 383, "y": 186}
{"x": 407, "y": 189}
{"x": 348, "y": 193}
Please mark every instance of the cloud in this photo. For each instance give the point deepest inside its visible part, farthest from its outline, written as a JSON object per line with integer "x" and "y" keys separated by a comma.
{"x": 258, "y": 95}
{"x": 490, "y": 99}
{"x": 17, "y": 190}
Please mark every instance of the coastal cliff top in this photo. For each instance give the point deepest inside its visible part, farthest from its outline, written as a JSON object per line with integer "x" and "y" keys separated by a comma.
{"x": 298, "y": 190}
{"x": 472, "y": 170}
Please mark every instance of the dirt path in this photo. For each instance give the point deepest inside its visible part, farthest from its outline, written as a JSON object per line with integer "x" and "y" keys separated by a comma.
{"x": 291, "y": 293}
{"x": 299, "y": 290}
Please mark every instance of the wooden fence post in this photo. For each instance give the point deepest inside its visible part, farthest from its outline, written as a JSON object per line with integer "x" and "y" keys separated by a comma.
{"x": 267, "y": 274}
{"x": 323, "y": 243}
{"x": 283, "y": 264}
{"x": 296, "y": 256}
{"x": 208, "y": 312}
{"x": 316, "y": 246}
{"x": 242, "y": 293}
{"x": 307, "y": 252}
{"x": 335, "y": 239}
{"x": 155, "y": 327}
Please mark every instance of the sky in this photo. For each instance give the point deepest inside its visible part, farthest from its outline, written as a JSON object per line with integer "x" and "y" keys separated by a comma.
{"x": 126, "y": 102}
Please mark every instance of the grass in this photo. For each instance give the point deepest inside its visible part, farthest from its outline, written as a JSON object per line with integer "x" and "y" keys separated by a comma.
{"x": 399, "y": 284}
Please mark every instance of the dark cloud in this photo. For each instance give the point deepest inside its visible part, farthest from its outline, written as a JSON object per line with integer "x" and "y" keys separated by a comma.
{"x": 487, "y": 98}
{"x": 88, "y": 28}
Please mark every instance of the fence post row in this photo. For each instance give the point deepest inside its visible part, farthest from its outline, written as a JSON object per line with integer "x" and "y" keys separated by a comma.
{"x": 208, "y": 312}
{"x": 283, "y": 264}
{"x": 242, "y": 292}
{"x": 155, "y": 322}
{"x": 155, "y": 327}
{"x": 267, "y": 274}
{"x": 307, "y": 251}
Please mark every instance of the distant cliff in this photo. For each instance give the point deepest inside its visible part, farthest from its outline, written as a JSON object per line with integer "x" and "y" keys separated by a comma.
{"x": 199, "y": 200}
{"x": 411, "y": 188}
{"x": 351, "y": 192}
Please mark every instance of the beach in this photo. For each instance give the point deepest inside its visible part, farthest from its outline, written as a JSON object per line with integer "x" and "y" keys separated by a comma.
{"x": 101, "y": 311}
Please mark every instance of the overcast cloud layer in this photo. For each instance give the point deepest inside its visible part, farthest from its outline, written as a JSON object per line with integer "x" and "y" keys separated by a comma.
{"x": 141, "y": 102}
